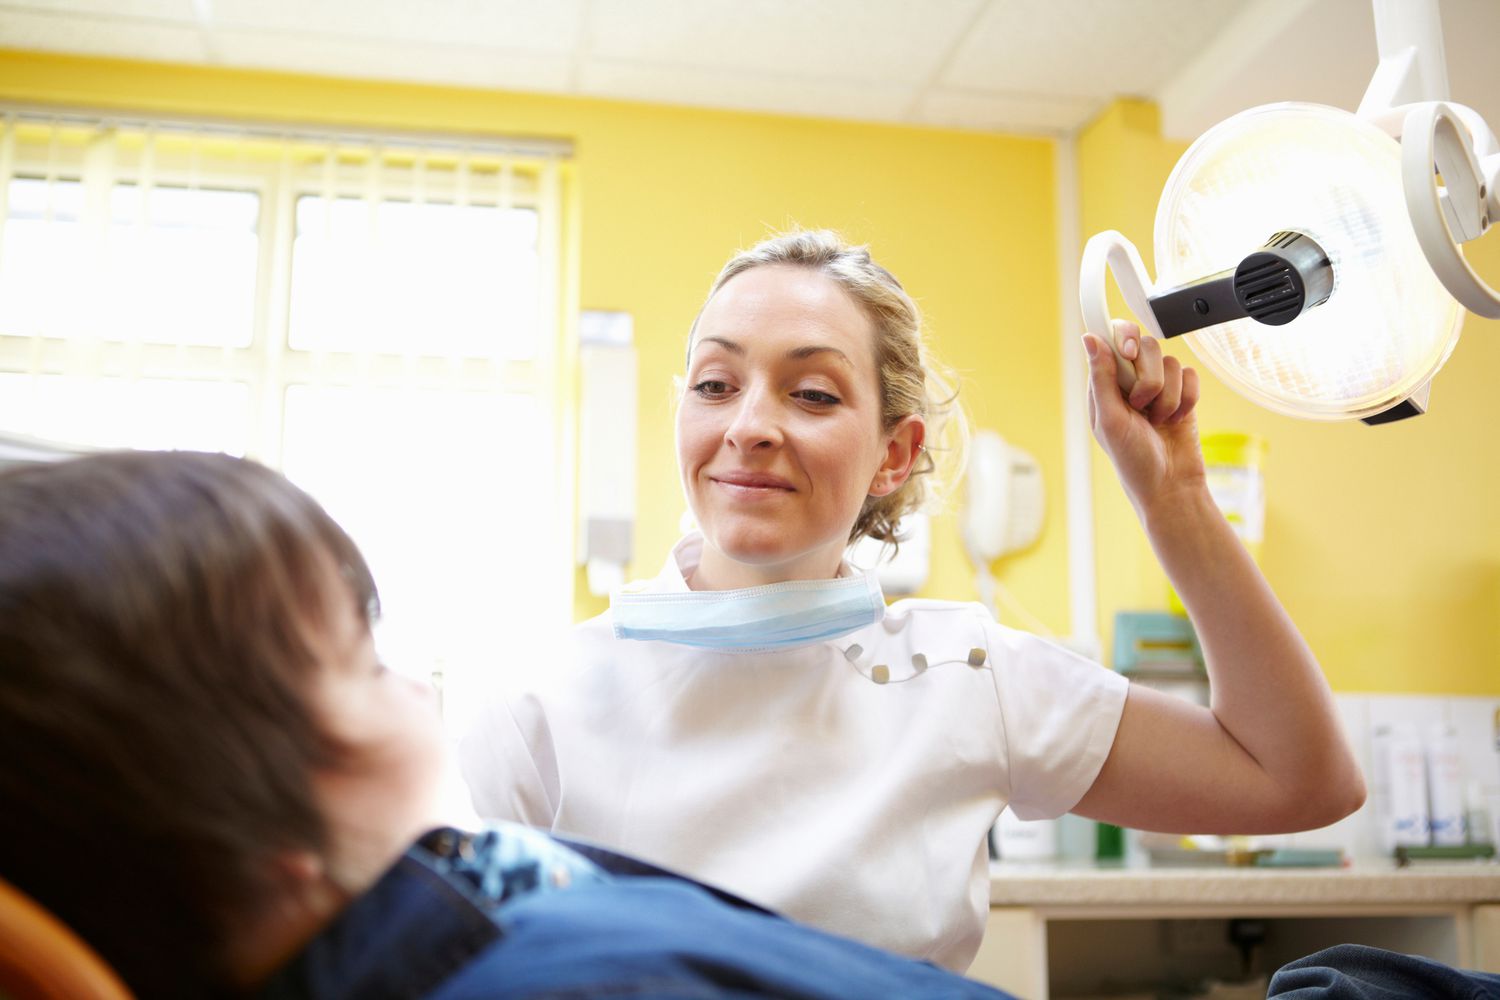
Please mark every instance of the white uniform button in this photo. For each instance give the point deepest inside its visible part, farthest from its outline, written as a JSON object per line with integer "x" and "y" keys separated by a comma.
{"x": 976, "y": 657}
{"x": 880, "y": 673}
{"x": 561, "y": 878}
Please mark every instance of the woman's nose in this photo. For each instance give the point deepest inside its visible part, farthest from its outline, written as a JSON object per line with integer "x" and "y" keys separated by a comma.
{"x": 756, "y": 422}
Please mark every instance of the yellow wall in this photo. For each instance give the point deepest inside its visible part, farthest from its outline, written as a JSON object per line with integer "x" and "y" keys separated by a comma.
{"x": 1383, "y": 542}
{"x": 665, "y": 194}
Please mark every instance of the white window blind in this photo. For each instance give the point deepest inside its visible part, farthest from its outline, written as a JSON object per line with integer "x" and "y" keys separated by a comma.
{"x": 379, "y": 317}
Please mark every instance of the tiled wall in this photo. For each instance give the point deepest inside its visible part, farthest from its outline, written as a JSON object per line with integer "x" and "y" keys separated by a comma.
{"x": 1474, "y": 719}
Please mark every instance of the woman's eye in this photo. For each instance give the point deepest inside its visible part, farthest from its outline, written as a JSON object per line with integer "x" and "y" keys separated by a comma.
{"x": 711, "y": 388}
{"x": 817, "y": 397}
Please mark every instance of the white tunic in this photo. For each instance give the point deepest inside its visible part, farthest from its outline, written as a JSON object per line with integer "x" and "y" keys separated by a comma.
{"x": 794, "y": 778}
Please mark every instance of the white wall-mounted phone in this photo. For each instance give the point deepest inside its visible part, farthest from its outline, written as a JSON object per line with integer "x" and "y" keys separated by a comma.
{"x": 1003, "y": 498}
{"x": 1004, "y": 504}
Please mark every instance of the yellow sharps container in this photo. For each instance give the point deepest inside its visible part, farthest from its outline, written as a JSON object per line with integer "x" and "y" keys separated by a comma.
{"x": 1233, "y": 462}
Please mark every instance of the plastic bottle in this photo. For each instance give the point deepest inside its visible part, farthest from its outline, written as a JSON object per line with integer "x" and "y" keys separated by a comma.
{"x": 1022, "y": 840}
{"x": 1445, "y": 787}
{"x": 1401, "y": 769}
{"x": 1478, "y": 823}
{"x": 1109, "y": 844}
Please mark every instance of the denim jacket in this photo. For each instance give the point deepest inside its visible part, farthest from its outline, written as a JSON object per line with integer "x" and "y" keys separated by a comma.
{"x": 511, "y": 912}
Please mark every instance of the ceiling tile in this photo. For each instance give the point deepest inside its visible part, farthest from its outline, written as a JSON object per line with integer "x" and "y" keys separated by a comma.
{"x": 1470, "y": 30}
{"x": 541, "y": 25}
{"x": 164, "y": 10}
{"x": 1221, "y": 83}
{"x": 894, "y": 41}
{"x": 466, "y": 66}
{"x": 99, "y": 36}
{"x": 1094, "y": 48}
{"x": 745, "y": 92}
{"x": 1246, "y": 67}
{"x": 1027, "y": 65}
{"x": 1006, "y": 112}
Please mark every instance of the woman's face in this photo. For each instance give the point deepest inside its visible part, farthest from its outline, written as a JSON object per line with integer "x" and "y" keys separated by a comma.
{"x": 388, "y": 793}
{"x": 779, "y": 437}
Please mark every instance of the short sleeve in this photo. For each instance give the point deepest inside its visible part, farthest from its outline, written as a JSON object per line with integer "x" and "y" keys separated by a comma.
{"x": 510, "y": 764}
{"x": 1060, "y": 712}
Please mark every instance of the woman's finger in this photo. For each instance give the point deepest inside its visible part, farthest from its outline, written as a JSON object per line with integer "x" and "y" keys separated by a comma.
{"x": 1166, "y": 402}
{"x": 1127, "y": 338}
{"x": 1148, "y": 373}
{"x": 1105, "y": 399}
{"x": 1189, "y": 396}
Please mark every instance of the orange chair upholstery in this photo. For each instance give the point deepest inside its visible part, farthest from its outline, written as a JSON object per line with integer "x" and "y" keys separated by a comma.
{"x": 41, "y": 959}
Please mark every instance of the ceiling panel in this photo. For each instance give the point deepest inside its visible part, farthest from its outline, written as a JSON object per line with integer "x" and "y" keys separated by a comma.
{"x": 1233, "y": 72}
{"x": 1006, "y": 112}
{"x": 894, "y": 41}
{"x": 166, "y": 10}
{"x": 739, "y": 91}
{"x": 1083, "y": 47}
{"x": 1010, "y": 65}
{"x": 460, "y": 66}
{"x": 97, "y": 36}
{"x": 542, "y": 25}
{"x": 1471, "y": 30}
{"x": 1219, "y": 84}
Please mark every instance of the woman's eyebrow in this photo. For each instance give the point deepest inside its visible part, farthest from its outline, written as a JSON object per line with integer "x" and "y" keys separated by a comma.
{"x": 795, "y": 354}
{"x": 801, "y": 353}
{"x": 728, "y": 345}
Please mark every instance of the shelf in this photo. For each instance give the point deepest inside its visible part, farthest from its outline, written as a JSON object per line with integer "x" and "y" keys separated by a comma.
{"x": 1372, "y": 884}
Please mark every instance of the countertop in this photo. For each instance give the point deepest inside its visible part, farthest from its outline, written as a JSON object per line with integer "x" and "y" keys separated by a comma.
{"x": 1372, "y": 883}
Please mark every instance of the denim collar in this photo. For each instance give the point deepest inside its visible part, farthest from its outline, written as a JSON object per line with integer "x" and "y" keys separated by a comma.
{"x": 429, "y": 915}
{"x": 413, "y": 929}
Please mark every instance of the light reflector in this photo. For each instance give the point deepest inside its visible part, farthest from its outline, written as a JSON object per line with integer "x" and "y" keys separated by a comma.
{"x": 1389, "y": 324}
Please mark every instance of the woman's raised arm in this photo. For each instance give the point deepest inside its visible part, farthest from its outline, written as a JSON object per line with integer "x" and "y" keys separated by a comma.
{"x": 1268, "y": 754}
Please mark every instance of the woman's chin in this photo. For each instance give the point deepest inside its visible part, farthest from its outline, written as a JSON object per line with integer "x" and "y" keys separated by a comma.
{"x": 771, "y": 547}
{"x": 754, "y": 548}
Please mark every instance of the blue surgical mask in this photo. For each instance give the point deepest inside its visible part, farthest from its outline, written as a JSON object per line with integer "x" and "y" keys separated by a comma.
{"x": 775, "y": 616}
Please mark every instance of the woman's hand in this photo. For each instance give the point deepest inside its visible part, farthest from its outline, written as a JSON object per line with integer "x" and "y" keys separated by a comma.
{"x": 1152, "y": 437}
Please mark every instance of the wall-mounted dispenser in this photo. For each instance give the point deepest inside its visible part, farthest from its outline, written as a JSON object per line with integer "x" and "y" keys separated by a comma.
{"x": 606, "y": 447}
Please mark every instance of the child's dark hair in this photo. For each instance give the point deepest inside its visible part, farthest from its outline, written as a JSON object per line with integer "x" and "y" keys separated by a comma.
{"x": 157, "y": 617}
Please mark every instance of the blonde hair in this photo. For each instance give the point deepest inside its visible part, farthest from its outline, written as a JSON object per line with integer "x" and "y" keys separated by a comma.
{"x": 910, "y": 379}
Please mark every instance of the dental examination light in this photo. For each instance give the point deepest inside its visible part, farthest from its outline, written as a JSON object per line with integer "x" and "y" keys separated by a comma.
{"x": 1311, "y": 256}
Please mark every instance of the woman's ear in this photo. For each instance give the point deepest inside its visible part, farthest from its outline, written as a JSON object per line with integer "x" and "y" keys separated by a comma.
{"x": 902, "y": 449}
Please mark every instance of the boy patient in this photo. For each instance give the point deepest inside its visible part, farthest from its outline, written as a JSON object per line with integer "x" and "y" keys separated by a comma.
{"x": 211, "y": 777}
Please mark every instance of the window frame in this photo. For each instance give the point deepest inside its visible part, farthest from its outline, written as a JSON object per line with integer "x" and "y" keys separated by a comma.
{"x": 268, "y": 365}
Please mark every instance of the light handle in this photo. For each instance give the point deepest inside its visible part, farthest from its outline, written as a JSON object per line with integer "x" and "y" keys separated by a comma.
{"x": 1108, "y": 253}
{"x": 1434, "y": 140}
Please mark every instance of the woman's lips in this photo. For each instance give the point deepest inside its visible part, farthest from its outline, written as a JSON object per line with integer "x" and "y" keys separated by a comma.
{"x": 752, "y": 484}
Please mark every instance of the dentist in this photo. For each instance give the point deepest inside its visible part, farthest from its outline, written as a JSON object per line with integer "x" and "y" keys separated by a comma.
{"x": 757, "y": 717}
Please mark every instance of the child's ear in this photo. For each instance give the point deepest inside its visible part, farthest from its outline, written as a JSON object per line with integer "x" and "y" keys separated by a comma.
{"x": 299, "y": 867}
{"x": 902, "y": 450}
